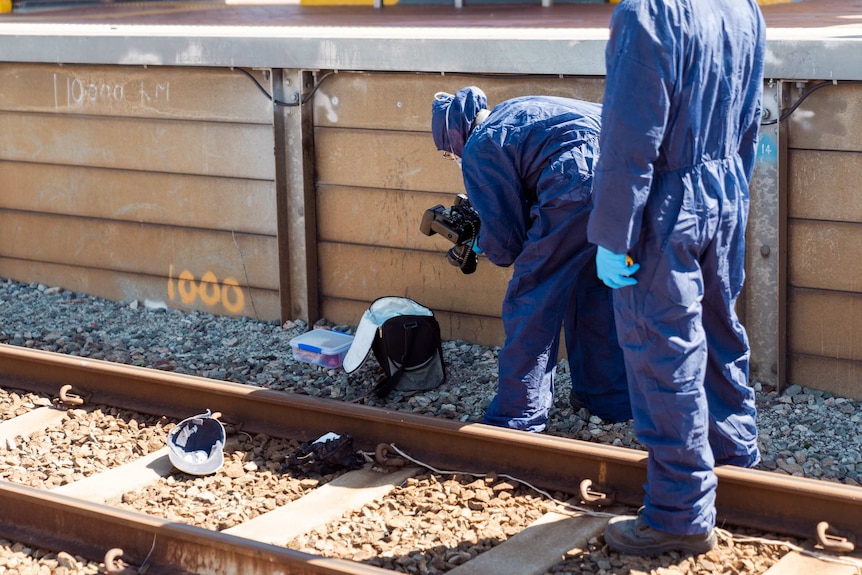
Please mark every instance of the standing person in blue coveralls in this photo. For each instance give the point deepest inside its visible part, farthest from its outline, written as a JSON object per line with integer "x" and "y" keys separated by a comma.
{"x": 681, "y": 115}
{"x": 527, "y": 167}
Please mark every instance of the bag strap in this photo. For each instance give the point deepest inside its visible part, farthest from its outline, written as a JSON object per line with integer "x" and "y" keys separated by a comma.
{"x": 385, "y": 386}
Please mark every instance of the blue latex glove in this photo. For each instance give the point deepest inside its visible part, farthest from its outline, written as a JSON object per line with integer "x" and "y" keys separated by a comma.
{"x": 613, "y": 269}
{"x": 477, "y": 249}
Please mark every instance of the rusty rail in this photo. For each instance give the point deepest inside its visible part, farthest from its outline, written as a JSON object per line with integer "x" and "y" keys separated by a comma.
{"x": 164, "y": 547}
{"x": 748, "y": 498}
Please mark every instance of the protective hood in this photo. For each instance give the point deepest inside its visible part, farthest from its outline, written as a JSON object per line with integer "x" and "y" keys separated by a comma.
{"x": 452, "y": 116}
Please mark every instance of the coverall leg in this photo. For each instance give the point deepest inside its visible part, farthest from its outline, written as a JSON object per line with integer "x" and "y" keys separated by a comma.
{"x": 594, "y": 355}
{"x": 732, "y": 410}
{"x": 536, "y": 303}
{"x": 685, "y": 349}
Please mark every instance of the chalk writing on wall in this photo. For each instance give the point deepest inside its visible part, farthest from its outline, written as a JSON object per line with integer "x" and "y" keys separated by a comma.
{"x": 80, "y": 92}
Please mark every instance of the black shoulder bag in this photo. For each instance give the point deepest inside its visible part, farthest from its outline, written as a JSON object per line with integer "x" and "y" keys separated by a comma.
{"x": 409, "y": 349}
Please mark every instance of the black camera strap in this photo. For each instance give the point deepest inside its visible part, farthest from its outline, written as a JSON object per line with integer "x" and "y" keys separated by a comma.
{"x": 387, "y": 384}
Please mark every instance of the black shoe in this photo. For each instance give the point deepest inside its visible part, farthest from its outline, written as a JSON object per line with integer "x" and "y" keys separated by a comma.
{"x": 629, "y": 535}
{"x": 576, "y": 402}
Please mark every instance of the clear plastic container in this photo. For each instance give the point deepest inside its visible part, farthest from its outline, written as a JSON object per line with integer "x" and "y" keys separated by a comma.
{"x": 322, "y": 347}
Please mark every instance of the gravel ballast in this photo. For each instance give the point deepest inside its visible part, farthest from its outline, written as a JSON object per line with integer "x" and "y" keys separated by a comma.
{"x": 803, "y": 432}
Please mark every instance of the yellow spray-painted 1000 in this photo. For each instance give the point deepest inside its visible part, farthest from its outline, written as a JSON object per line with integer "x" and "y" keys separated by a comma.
{"x": 208, "y": 289}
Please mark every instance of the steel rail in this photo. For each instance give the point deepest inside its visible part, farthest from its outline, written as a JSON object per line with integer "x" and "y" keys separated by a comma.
{"x": 772, "y": 502}
{"x": 90, "y": 530}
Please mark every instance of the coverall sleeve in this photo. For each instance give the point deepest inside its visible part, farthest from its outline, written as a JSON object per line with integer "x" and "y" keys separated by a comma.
{"x": 638, "y": 87}
{"x": 494, "y": 189}
{"x": 748, "y": 146}
{"x": 748, "y": 142}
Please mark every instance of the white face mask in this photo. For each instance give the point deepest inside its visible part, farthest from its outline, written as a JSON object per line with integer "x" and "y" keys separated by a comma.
{"x": 451, "y": 152}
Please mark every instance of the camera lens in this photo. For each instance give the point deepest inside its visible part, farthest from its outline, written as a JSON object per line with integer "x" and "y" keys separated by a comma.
{"x": 463, "y": 257}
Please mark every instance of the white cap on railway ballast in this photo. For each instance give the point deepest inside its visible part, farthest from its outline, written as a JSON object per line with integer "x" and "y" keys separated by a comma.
{"x": 381, "y": 309}
{"x": 196, "y": 445}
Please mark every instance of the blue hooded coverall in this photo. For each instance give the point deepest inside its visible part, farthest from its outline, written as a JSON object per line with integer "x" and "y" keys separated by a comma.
{"x": 527, "y": 171}
{"x": 681, "y": 116}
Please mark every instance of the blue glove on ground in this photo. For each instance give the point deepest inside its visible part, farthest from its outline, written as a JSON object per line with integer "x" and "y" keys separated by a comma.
{"x": 612, "y": 269}
{"x": 477, "y": 249}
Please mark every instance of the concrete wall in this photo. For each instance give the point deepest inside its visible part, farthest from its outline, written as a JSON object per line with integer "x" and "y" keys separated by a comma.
{"x": 824, "y": 233}
{"x": 139, "y": 183}
{"x": 377, "y": 172}
{"x": 162, "y": 184}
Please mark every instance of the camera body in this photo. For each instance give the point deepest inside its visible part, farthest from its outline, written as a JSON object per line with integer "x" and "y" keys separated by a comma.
{"x": 460, "y": 225}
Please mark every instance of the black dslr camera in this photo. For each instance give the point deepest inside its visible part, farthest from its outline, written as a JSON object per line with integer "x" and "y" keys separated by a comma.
{"x": 458, "y": 224}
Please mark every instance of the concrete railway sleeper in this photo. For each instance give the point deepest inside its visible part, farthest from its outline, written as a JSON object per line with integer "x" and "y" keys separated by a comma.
{"x": 84, "y": 470}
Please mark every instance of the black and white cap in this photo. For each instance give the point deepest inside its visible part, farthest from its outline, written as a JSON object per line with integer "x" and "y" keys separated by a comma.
{"x": 196, "y": 444}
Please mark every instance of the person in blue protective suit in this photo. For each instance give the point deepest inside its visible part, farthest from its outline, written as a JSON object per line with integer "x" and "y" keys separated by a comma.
{"x": 527, "y": 167}
{"x": 681, "y": 115}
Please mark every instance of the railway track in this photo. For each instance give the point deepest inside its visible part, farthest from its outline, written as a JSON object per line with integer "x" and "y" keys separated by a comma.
{"x": 84, "y": 470}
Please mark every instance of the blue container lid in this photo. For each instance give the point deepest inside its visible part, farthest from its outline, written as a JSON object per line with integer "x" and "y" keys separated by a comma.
{"x": 323, "y": 341}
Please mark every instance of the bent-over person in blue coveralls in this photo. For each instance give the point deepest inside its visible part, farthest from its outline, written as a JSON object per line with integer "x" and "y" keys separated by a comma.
{"x": 528, "y": 168}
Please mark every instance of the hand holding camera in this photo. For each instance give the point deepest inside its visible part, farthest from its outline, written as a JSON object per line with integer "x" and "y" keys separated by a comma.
{"x": 460, "y": 225}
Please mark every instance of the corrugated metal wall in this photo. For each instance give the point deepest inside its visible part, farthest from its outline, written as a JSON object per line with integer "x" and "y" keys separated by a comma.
{"x": 139, "y": 183}
{"x": 824, "y": 311}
